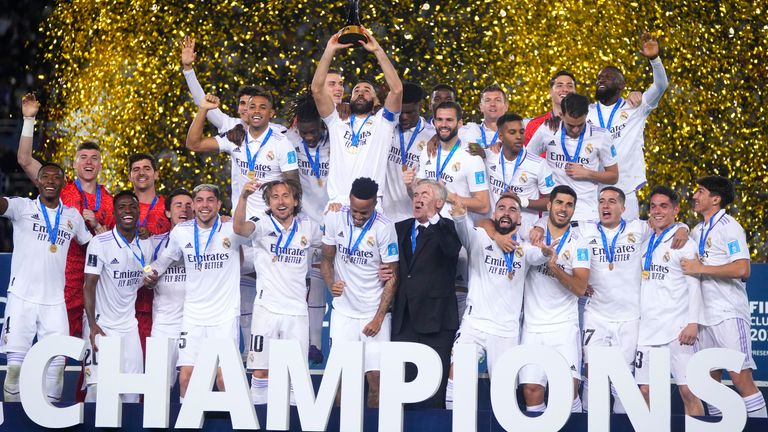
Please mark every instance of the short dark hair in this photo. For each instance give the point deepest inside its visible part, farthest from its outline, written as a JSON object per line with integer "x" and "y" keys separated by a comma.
{"x": 451, "y": 105}
{"x": 303, "y": 108}
{"x": 493, "y": 88}
{"x": 369, "y": 82}
{"x": 124, "y": 193}
{"x": 506, "y": 118}
{"x": 88, "y": 145}
{"x": 563, "y": 189}
{"x": 50, "y": 164}
{"x": 334, "y": 71}
{"x": 719, "y": 186}
{"x": 622, "y": 195}
{"x": 575, "y": 105}
{"x": 443, "y": 86}
{"x": 674, "y": 198}
{"x": 255, "y": 90}
{"x": 132, "y": 159}
{"x": 364, "y": 188}
{"x": 174, "y": 193}
{"x": 413, "y": 92}
{"x": 559, "y": 74}
{"x": 293, "y": 186}
{"x": 512, "y": 196}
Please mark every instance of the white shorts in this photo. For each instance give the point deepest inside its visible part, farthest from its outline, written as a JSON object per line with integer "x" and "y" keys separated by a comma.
{"x": 132, "y": 360}
{"x": 192, "y": 338}
{"x": 25, "y": 320}
{"x": 268, "y": 325}
{"x": 622, "y": 334}
{"x": 679, "y": 355}
{"x": 732, "y": 333}
{"x": 344, "y": 328}
{"x": 170, "y": 331}
{"x": 462, "y": 269}
{"x": 563, "y": 338}
{"x": 489, "y": 346}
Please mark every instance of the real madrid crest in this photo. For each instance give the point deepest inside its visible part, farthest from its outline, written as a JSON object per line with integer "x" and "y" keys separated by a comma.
{"x": 226, "y": 243}
{"x": 270, "y": 155}
{"x": 589, "y": 148}
{"x": 666, "y": 257}
{"x": 69, "y": 225}
{"x": 303, "y": 241}
{"x": 631, "y": 237}
{"x": 567, "y": 255}
{"x": 421, "y": 145}
{"x": 523, "y": 177}
{"x": 623, "y": 115}
{"x": 457, "y": 166}
{"x": 370, "y": 241}
{"x": 709, "y": 242}
{"x": 519, "y": 252}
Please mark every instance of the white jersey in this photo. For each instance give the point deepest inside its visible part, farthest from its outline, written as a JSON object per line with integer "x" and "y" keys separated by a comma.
{"x": 461, "y": 174}
{"x": 723, "y": 298}
{"x": 617, "y": 292}
{"x": 532, "y": 179}
{"x": 479, "y": 134}
{"x": 359, "y": 269}
{"x": 547, "y": 302}
{"x": 213, "y": 288}
{"x": 121, "y": 274}
{"x": 595, "y": 154}
{"x": 368, "y": 158}
{"x": 168, "y": 303}
{"x": 494, "y": 301}
{"x": 37, "y": 274}
{"x": 281, "y": 287}
{"x": 313, "y": 174}
{"x": 626, "y": 126}
{"x": 272, "y": 160}
{"x": 397, "y": 204}
{"x": 669, "y": 300}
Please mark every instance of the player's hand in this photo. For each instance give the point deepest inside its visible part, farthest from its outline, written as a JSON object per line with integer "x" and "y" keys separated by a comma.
{"x": 337, "y": 288}
{"x": 372, "y": 45}
{"x": 249, "y": 188}
{"x": 505, "y": 242}
{"x": 458, "y": 209}
{"x": 385, "y": 273}
{"x": 150, "y": 279}
{"x": 577, "y": 171}
{"x": 372, "y": 328}
{"x": 209, "y": 102}
{"x": 344, "y": 110}
{"x": 144, "y": 233}
{"x": 494, "y": 148}
{"x": 334, "y": 45}
{"x": 547, "y": 251}
{"x": 649, "y": 46}
{"x": 236, "y": 134}
{"x": 680, "y": 238}
{"x": 536, "y": 235}
{"x": 188, "y": 54}
{"x": 476, "y": 149}
{"x": 409, "y": 176}
{"x": 225, "y": 218}
{"x": 95, "y": 330}
{"x": 333, "y": 207}
{"x": 635, "y": 98}
{"x": 29, "y": 105}
{"x": 691, "y": 267}
{"x": 590, "y": 291}
{"x": 689, "y": 334}
{"x": 90, "y": 218}
{"x": 432, "y": 146}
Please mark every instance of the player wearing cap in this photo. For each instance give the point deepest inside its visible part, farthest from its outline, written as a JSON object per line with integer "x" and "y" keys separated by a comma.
{"x": 493, "y": 104}
{"x": 357, "y": 241}
{"x": 42, "y": 232}
{"x": 723, "y": 268}
{"x": 114, "y": 271}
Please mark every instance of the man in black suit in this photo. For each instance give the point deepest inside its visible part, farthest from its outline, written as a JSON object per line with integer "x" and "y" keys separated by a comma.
{"x": 425, "y": 309}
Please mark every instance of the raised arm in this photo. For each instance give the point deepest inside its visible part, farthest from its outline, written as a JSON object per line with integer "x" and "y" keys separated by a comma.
{"x": 188, "y": 57}
{"x": 394, "y": 100}
{"x": 29, "y": 108}
{"x": 195, "y": 140}
{"x": 650, "y": 50}
{"x": 240, "y": 225}
{"x": 478, "y": 202}
{"x": 323, "y": 100}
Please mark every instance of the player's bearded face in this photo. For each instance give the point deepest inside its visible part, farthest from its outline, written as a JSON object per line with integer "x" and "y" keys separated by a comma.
{"x": 447, "y": 124}
{"x": 206, "y": 207}
{"x": 506, "y": 216}
{"x": 126, "y": 213}
{"x": 282, "y": 203}
{"x": 608, "y": 85}
{"x": 362, "y": 99}
{"x": 561, "y": 210}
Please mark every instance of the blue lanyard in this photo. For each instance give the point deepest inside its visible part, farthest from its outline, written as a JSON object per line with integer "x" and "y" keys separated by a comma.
{"x": 356, "y": 135}
{"x": 403, "y": 149}
{"x": 518, "y": 161}
{"x": 314, "y": 165}
{"x": 350, "y": 248}
{"x": 703, "y": 236}
{"x": 493, "y": 140}
{"x": 279, "y": 229}
{"x": 53, "y": 231}
{"x": 165, "y": 239}
{"x": 207, "y": 243}
{"x": 563, "y": 240}
{"x": 85, "y": 197}
{"x": 440, "y": 168}
{"x": 252, "y": 160}
{"x": 568, "y": 158}
{"x": 610, "y": 119}
{"x": 509, "y": 257}
{"x": 652, "y": 245}
{"x": 146, "y": 217}
{"x": 140, "y": 258}
{"x": 610, "y": 251}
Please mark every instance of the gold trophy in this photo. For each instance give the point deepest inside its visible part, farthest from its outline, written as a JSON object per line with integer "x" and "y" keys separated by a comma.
{"x": 353, "y": 30}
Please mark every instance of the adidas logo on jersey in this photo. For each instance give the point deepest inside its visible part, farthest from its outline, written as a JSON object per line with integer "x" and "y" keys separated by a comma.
{"x": 489, "y": 248}
{"x": 188, "y": 246}
{"x": 594, "y": 242}
{"x": 340, "y": 234}
{"x": 272, "y": 234}
{"x": 36, "y": 217}
{"x": 551, "y": 143}
{"x": 236, "y": 150}
{"x": 115, "y": 261}
{"x": 493, "y": 167}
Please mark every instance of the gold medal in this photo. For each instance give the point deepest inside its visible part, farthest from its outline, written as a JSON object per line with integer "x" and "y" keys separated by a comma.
{"x": 353, "y": 149}
{"x": 320, "y": 182}
{"x": 610, "y": 266}
{"x": 147, "y": 268}
{"x": 646, "y": 274}
{"x": 251, "y": 175}
{"x": 510, "y": 275}
{"x": 274, "y": 258}
{"x": 404, "y": 168}
{"x": 53, "y": 248}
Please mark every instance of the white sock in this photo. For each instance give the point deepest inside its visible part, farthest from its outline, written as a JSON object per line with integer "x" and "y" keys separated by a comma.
{"x": 536, "y": 408}
{"x": 449, "y": 395}
{"x": 576, "y": 405}
{"x": 756, "y": 405}
{"x": 618, "y": 407}
{"x": 259, "y": 390}
{"x": 90, "y": 393}
{"x": 714, "y": 411}
{"x": 54, "y": 379}
{"x": 11, "y": 384}
{"x": 585, "y": 394}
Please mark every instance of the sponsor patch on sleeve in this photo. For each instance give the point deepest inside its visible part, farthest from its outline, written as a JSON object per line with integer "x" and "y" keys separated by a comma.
{"x": 480, "y": 177}
{"x": 582, "y": 254}
{"x": 291, "y": 157}
{"x": 733, "y": 247}
{"x": 549, "y": 181}
{"x": 92, "y": 260}
{"x": 392, "y": 249}
{"x": 613, "y": 150}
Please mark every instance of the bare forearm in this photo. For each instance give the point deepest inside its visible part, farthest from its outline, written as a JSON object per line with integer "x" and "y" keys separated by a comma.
{"x": 25, "y": 159}
{"x": 89, "y": 298}
{"x": 388, "y": 294}
{"x": 577, "y": 286}
{"x": 394, "y": 98}
{"x": 539, "y": 203}
{"x": 608, "y": 177}
{"x": 474, "y": 204}
{"x": 736, "y": 270}
{"x": 195, "y": 134}
{"x": 326, "y": 268}
{"x": 239, "y": 224}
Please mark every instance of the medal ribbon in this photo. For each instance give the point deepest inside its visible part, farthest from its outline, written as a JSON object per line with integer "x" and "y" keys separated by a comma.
{"x": 440, "y": 168}
{"x": 146, "y": 217}
{"x": 140, "y": 259}
{"x": 703, "y": 236}
{"x": 207, "y": 243}
{"x": 652, "y": 245}
{"x": 350, "y": 248}
{"x": 610, "y": 251}
{"x": 563, "y": 240}
{"x": 482, "y": 135}
{"x": 404, "y": 150}
{"x": 610, "y": 119}
{"x": 314, "y": 165}
{"x": 509, "y": 257}
{"x": 568, "y": 157}
{"x": 53, "y": 231}
{"x": 518, "y": 161}
{"x": 280, "y": 230}
{"x": 85, "y": 197}
{"x": 356, "y": 135}
{"x": 165, "y": 239}
{"x": 252, "y": 160}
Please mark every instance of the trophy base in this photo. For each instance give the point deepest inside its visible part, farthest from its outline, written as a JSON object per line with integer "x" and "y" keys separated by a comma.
{"x": 351, "y": 34}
